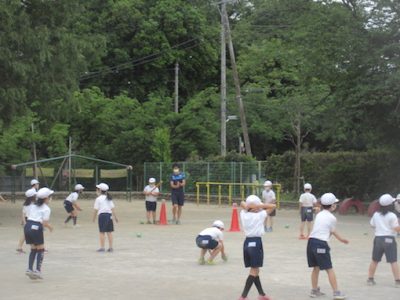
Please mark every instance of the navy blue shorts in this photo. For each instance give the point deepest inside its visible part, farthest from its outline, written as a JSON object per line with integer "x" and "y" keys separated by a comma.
{"x": 178, "y": 198}
{"x": 68, "y": 206}
{"x": 307, "y": 214}
{"x": 206, "y": 242}
{"x": 253, "y": 252}
{"x": 151, "y": 206}
{"x": 33, "y": 232}
{"x": 385, "y": 245}
{"x": 106, "y": 223}
{"x": 318, "y": 254}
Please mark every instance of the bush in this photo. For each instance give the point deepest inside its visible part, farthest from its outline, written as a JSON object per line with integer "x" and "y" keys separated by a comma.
{"x": 364, "y": 175}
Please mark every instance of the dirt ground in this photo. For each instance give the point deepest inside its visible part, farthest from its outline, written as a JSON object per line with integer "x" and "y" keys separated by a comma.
{"x": 162, "y": 263}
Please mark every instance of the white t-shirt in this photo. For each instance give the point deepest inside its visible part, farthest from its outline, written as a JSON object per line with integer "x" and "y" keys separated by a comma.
{"x": 26, "y": 209}
{"x": 214, "y": 232}
{"x": 384, "y": 224}
{"x": 397, "y": 206}
{"x": 253, "y": 223}
{"x": 324, "y": 225}
{"x": 72, "y": 197}
{"x": 148, "y": 189}
{"x": 307, "y": 199}
{"x": 268, "y": 196}
{"x": 102, "y": 205}
{"x": 39, "y": 213}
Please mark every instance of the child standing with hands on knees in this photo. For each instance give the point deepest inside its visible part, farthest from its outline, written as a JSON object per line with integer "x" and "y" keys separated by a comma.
{"x": 71, "y": 206}
{"x": 318, "y": 250}
{"x": 151, "y": 193}
{"x": 104, "y": 209}
{"x": 386, "y": 226}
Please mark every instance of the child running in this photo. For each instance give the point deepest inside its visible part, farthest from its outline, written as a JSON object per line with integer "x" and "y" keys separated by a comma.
{"x": 386, "y": 225}
{"x": 318, "y": 250}
{"x": 29, "y": 202}
{"x": 151, "y": 193}
{"x": 104, "y": 209}
{"x": 211, "y": 239}
{"x": 39, "y": 216}
{"x": 253, "y": 217}
{"x": 307, "y": 202}
{"x": 71, "y": 206}
{"x": 268, "y": 196}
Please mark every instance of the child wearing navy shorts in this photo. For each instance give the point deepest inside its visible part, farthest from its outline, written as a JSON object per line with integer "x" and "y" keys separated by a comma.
{"x": 211, "y": 239}
{"x": 253, "y": 217}
{"x": 39, "y": 216}
{"x": 104, "y": 209}
{"x": 151, "y": 193}
{"x": 29, "y": 202}
{"x": 318, "y": 250}
{"x": 307, "y": 201}
{"x": 70, "y": 205}
{"x": 386, "y": 226}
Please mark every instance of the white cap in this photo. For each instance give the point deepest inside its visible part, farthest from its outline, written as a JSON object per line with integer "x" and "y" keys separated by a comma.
{"x": 398, "y": 197}
{"x": 30, "y": 193}
{"x": 103, "y": 187}
{"x": 152, "y": 180}
{"x": 308, "y": 186}
{"x": 79, "y": 187}
{"x": 386, "y": 200}
{"x": 219, "y": 224}
{"x": 253, "y": 199}
{"x": 267, "y": 183}
{"x": 44, "y": 193}
{"x": 34, "y": 181}
{"x": 328, "y": 199}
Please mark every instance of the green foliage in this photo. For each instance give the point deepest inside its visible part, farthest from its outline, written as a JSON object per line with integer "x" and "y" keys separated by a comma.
{"x": 161, "y": 147}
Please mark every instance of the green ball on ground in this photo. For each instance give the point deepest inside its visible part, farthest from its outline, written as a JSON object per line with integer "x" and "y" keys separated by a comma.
{"x": 138, "y": 235}
{"x": 141, "y": 222}
{"x": 287, "y": 226}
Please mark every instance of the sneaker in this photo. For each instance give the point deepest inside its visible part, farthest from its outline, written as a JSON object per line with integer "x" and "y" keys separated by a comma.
{"x": 178, "y": 222}
{"x": 100, "y": 250}
{"x": 371, "y": 282}
{"x": 224, "y": 258}
{"x": 30, "y": 274}
{"x": 202, "y": 261}
{"x": 264, "y": 297}
{"x": 20, "y": 251}
{"x": 110, "y": 250}
{"x": 76, "y": 226}
{"x": 210, "y": 262}
{"x": 265, "y": 228}
{"x": 316, "y": 293}
{"x": 397, "y": 283}
{"x": 338, "y": 295}
{"x": 148, "y": 222}
{"x": 37, "y": 274}
{"x": 270, "y": 229}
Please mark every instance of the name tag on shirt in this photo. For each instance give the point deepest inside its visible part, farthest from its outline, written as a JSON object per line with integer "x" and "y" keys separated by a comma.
{"x": 388, "y": 241}
{"x": 309, "y": 210}
{"x": 251, "y": 244}
{"x": 35, "y": 227}
{"x": 204, "y": 242}
{"x": 321, "y": 250}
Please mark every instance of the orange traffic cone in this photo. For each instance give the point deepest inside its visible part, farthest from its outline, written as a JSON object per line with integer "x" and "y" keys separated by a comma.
{"x": 163, "y": 214}
{"x": 235, "y": 219}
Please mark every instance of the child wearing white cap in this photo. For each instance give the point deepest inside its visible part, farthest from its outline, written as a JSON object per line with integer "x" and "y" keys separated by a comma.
{"x": 29, "y": 202}
{"x": 307, "y": 201}
{"x": 151, "y": 193}
{"x": 253, "y": 217}
{"x": 104, "y": 209}
{"x": 38, "y": 218}
{"x": 268, "y": 196}
{"x": 397, "y": 209}
{"x": 386, "y": 225}
{"x": 71, "y": 206}
{"x": 211, "y": 239}
{"x": 318, "y": 250}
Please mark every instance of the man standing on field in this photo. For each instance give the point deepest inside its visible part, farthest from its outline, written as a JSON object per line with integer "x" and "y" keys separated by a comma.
{"x": 177, "y": 183}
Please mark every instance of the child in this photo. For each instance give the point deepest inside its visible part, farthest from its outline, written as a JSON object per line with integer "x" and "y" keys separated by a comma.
{"x": 318, "y": 251}
{"x": 34, "y": 185}
{"x": 29, "y": 202}
{"x": 268, "y": 196}
{"x": 253, "y": 217}
{"x": 151, "y": 192}
{"x": 177, "y": 183}
{"x": 386, "y": 225}
{"x": 39, "y": 216}
{"x": 211, "y": 239}
{"x": 307, "y": 202}
{"x": 71, "y": 206}
{"x": 104, "y": 209}
{"x": 397, "y": 209}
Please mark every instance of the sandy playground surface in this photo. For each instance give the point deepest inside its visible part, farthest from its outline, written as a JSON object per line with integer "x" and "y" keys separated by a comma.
{"x": 162, "y": 263}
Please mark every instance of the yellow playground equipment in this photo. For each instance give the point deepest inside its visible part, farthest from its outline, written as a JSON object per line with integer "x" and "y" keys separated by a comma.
{"x": 255, "y": 188}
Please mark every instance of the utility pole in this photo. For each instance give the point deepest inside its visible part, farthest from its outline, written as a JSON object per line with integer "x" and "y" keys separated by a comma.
{"x": 223, "y": 80}
{"x": 177, "y": 87}
{"x": 34, "y": 152}
{"x": 237, "y": 86}
{"x": 69, "y": 162}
